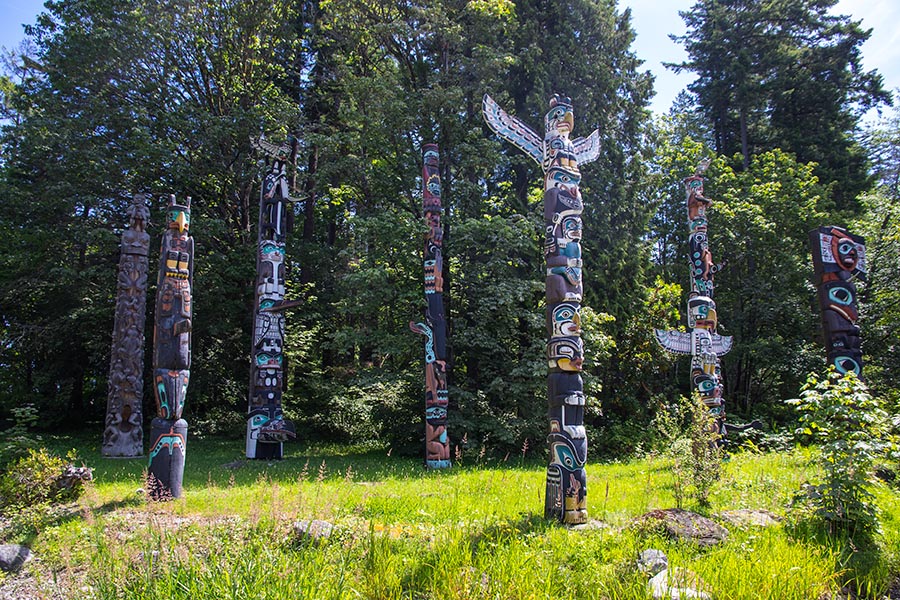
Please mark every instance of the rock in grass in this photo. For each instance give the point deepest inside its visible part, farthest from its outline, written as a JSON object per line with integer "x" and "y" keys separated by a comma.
{"x": 674, "y": 584}
{"x": 746, "y": 516}
{"x": 652, "y": 561}
{"x": 313, "y": 530}
{"x": 13, "y": 556}
{"x": 685, "y": 525}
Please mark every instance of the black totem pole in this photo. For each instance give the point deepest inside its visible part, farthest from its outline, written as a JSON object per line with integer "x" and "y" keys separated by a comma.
{"x": 123, "y": 435}
{"x": 437, "y": 443}
{"x": 839, "y": 258}
{"x": 267, "y": 428}
{"x": 560, "y": 158}
{"x": 702, "y": 343}
{"x": 172, "y": 353}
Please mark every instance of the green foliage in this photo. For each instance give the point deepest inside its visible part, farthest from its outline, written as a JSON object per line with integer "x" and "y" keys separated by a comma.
{"x": 776, "y": 75}
{"x": 469, "y": 533}
{"x": 31, "y": 480}
{"x": 690, "y": 440}
{"x": 851, "y": 428}
{"x": 19, "y": 439}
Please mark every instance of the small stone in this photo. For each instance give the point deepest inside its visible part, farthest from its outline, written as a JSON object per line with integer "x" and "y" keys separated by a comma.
{"x": 652, "y": 561}
{"x": 686, "y": 525}
{"x": 13, "y": 556}
{"x": 674, "y": 584}
{"x": 313, "y": 530}
{"x": 591, "y": 525}
{"x": 745, "y": 516}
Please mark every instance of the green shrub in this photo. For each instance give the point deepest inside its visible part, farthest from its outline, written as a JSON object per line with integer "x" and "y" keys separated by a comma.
{"x": 17, "y": 440}
{"x": 691, "y": 442}
{"x": 852, "y": 430}
{"x": 37, "y": 478}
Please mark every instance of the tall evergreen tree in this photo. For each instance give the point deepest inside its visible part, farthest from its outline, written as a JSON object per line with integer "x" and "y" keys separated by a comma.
{"x": 784, "y": 75}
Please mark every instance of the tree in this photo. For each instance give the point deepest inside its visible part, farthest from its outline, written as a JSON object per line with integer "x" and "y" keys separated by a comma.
{"x": 784, "y": 75}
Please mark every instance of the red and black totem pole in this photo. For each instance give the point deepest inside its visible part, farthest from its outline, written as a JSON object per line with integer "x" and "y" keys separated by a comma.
{"x": 172, "y": 353}
{"x": 437, "y": 443}
{"x": 702, "y": 343}
{"x": 839, "y": 258}
{"x": 560, "y": 158}
{"x": 267, "y": 428}
{"x": 123, "y": 435}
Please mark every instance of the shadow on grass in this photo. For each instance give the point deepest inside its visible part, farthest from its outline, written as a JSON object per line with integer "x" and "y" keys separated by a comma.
{"x": 860, "y": 560}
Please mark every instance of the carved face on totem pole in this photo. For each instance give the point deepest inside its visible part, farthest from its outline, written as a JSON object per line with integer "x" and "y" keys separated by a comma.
{"x": 838, "y": 258}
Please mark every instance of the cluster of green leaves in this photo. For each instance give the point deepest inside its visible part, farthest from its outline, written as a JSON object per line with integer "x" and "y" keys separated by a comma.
{"x": 852, "y": 429}
{"x": 690, "y": 441}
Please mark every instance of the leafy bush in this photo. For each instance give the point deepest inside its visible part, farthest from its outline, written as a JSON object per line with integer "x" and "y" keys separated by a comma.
{"x": 852, "y": 429}
{"x": 38, "y": 478}
{"x": 17, "y": 440}
{"x": 691, "y": 442}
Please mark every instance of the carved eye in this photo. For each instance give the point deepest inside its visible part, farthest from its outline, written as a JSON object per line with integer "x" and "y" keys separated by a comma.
{"x": 846, "y": 247}
{"x": 840, "y": 296}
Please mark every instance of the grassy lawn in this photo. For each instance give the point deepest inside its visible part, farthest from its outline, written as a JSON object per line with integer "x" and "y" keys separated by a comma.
{"x": 476, "y": 531}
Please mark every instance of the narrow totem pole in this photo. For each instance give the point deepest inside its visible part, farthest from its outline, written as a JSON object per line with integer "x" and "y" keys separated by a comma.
{"x": 839, "y": 258}
{"x": 560, "y": 157}
{"x": 124, "y": 434}
{"x": 437, "y": 443}
{"x": 702, "y": 343}
{"x": 266, "y": 427}
{"x": 172, "y": 353}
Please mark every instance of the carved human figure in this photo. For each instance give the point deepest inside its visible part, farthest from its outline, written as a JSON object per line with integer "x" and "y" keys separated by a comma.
{"x": 839, "y": 259}
{"x": 560, "y": 158}
{"x": 172, "y": 353}
{"x": 434, "y": 328}
{"x": 123, "y": 432}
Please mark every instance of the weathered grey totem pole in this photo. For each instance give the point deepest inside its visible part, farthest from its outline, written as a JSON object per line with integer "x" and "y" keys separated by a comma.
{"x": 560, "y": 158}
{"x": 839, "y": 258}
{"x": 172, "y": 353}
{"x": 702, "y": 343}
{"x": 124, "y": 434}
{"x": 437, "y": 443}
{"x": 266, "y": 427}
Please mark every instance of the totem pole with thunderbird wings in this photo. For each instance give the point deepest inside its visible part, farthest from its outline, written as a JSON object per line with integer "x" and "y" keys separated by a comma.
{"x": 124, "y": 434}
{"x": 172, "y": 353}
{"x": 267, "y": 428}
{"x": 702, "y": 343}
{"x": 437, "y": 444}
{"x": 839, "y": 258}
{"x": 560, "y": 158}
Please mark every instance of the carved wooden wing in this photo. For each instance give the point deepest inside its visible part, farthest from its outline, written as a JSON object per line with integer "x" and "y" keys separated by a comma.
{"x": 512, "y": 129}
{"x": 677, "y": 342}
{"x": 587, "y": 149}
{"x": 280, "y": 152}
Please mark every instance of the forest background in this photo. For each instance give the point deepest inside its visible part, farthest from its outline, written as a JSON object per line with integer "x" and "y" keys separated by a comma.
{"x": 110, "y": 97}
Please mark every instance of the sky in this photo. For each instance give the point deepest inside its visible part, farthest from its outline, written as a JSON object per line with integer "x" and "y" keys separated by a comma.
{"x": 653, "y": 20}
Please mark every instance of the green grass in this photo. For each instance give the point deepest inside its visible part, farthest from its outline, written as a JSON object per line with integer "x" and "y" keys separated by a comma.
{"x": 474, "y": 532}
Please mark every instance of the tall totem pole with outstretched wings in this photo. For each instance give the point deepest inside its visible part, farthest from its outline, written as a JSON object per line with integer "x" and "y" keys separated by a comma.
{"x": 560, "y": 158}
{"x": 702, "y": 343}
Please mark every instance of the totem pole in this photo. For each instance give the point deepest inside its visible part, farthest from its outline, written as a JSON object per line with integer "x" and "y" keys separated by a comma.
{"x": 124, "y": 434}
{"x": 702, "y": 343}
{"x": 839, "y": 257}
{"x": 266, "y": 427}
{"x": 437, "y": 444}
{"x": 560, "y": 157}
{"x": 172, "y": 353}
